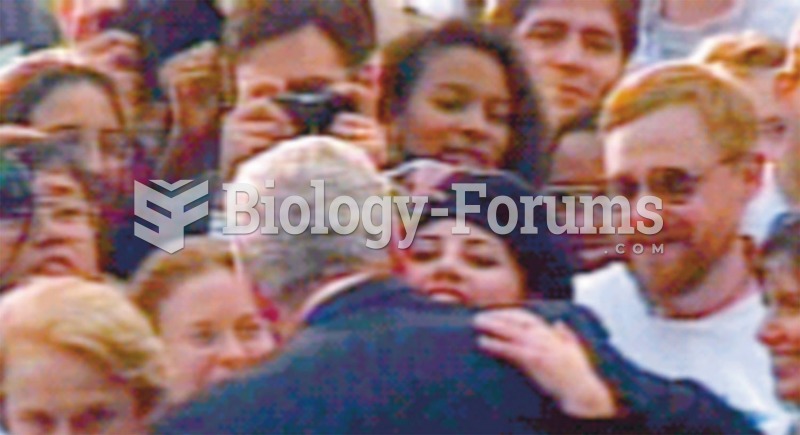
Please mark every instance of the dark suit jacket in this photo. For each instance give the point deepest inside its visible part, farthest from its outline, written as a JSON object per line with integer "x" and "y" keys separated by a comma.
{"x": 379, "y": 359}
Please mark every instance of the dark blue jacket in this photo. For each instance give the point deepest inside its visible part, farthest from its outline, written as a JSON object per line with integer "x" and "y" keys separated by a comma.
{"x": 381, "y": 360}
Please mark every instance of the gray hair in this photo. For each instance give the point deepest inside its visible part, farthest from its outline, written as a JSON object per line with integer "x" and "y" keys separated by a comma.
{"x": 286, "y": 266}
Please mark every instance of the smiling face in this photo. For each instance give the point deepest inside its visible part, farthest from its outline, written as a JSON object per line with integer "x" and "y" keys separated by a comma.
{"x": 212, "y": 329}
{"x": 473, "y": 269}
{"x": 781, "y": 330}
{"x": 459, "y": 111}
{"x": 577, "y": 170}
{"x": 700, "y": 228}
{"x": 52, "y": 390}
{"x": 574, "y": 50}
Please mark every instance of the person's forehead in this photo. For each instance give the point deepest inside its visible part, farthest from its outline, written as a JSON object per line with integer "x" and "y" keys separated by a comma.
{"x": 466, "y": 68}
{"x": 579, "y": 14}
{"x": 442, "y": 229}
{"x": 302, "y": 53}
{"x": 654, "y": 140}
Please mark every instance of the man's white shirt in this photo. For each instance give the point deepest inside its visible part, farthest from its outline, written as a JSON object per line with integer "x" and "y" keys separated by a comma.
{"x": 720, "y": 351}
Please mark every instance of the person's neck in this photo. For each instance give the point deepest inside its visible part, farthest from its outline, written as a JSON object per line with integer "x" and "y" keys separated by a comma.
{"x": 728, "y": 281}
{"x": 695, "y": 12}
{"x": 330, "y": 288}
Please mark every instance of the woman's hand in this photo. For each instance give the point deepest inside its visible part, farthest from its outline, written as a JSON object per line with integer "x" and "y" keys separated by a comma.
{"x": 550, "y": 355}
{"x": 193, "y": 79}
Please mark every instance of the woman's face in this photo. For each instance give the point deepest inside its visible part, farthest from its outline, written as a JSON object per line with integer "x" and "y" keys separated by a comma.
{"x": 62, "y": 238}
{"x": 780, "y": 332}
{"x": 459, "y": 111}
{"x": 473, "y": 269}
{"x": 212, "y": 329}
{"x": 574, "y": 52}
{"x": 49, "y": 389}
{"x": 86, "y": 109}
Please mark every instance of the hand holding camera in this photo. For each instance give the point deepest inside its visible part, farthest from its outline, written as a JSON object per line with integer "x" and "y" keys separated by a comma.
{"x": 256, "y": 123}
{"x": 269, "y": 111}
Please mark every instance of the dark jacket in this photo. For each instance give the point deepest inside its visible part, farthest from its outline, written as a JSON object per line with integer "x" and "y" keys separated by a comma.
{"x": 379, "y": 359}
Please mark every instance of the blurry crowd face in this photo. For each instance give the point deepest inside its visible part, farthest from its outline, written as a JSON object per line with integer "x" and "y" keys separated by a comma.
{"x": 789, "y": 165}
{"x": 473, "y": 269}
{"x": 306, "y": 54}
{"x": 793, "y": 67}
{"x": 86, "y": 109}
{"x": 50, "y": 390}
{"x": 577, "y": 170}
{"x": 774, "y": 116}
{"x": 459, "y": 111}
{"x": 781, "y": 331}
{"x": 62, "y": 238}
{"x": 79, "y": 19}
{"x": 703, "y": 192}
{"x": 212, "y": 329}
{"x": 574, "y": 49}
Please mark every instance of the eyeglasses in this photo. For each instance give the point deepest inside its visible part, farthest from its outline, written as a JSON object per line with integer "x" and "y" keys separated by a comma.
{"x": 671, "y": 185}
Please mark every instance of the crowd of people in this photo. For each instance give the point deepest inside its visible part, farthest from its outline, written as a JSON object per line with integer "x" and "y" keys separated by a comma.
{"x": 630, "y": 114}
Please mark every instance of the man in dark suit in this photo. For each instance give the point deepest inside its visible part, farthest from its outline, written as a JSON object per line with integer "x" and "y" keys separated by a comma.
{"x": 369, "y": 356}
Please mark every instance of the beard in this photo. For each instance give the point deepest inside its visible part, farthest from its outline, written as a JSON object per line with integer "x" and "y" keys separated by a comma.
{"x": 685, "y": 263}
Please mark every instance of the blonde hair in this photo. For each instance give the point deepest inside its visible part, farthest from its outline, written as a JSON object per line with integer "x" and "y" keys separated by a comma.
{"x": 742, "y": 53}
{"x": 723, "y": 105}
{"x": 161, "y": 272}
{"x": 92, "y": 319}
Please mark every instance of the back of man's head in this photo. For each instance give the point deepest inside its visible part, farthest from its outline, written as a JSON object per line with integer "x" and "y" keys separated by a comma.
{"x": 291, "y": 262}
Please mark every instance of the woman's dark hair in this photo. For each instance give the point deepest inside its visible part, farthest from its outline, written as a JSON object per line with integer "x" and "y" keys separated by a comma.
{"x": 24, "y": 85}
{"x": 508, "y": 13}
{"x": 404, "y": 62}
{"x": 350, "y": 23}
{"x": 784, "y": 236}
{"x": 542, "y": 256}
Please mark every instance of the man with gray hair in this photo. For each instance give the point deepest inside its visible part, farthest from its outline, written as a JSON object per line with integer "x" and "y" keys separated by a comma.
{"x": 367, "y": 354}
{"x": 291, "y": 265}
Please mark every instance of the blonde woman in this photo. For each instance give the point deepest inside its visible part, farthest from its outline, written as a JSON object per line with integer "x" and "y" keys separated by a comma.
{"x": 206, "y": 312}
{"x": 77, "y": 357}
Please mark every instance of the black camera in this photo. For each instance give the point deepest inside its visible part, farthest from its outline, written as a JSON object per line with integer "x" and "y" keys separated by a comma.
{"x": 313, "y": 112}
